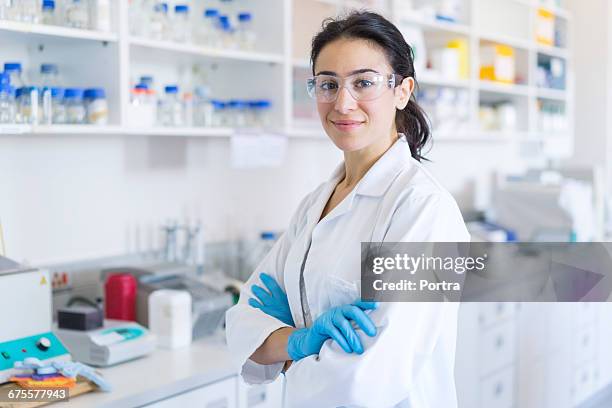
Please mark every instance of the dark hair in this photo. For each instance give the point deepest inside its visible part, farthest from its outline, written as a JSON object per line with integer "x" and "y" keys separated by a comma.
{"x": 412, "y": 120}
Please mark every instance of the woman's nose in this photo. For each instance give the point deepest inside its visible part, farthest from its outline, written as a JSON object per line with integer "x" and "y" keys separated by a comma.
{"x": 345, "y": 101}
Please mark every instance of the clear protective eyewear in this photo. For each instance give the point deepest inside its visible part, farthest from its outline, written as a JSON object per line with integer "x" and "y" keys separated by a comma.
{"x": 364, "y": 86}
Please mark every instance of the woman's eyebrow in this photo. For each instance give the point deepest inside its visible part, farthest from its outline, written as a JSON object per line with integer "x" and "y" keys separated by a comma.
{"x": 357, "y": 71}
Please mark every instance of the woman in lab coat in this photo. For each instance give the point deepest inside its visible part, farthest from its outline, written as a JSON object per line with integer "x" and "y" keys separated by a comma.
{"x": 363, "y": 84}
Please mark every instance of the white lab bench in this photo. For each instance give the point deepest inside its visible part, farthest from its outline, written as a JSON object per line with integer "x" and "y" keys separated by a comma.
{"x": 199, "y": 375}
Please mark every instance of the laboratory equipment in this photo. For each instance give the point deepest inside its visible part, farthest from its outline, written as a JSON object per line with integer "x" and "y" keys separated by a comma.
{"x": 202, "y": 107}
{"x": 73, "y": 103}
{"x": 171, "y": 109}
{"x": 27, "y": 333}
{"x": 96, "y": 106}
{"x": 226, "y": 32}
{"x": 545, "y": 27}
{"x": 6, "y": 9}
{"x": 158, "y": 27}
{"x": 80, "y": 318}
{"x": 30, "y": 10}
{"x": 116, "y": 342}
{"x": 49, "y": 80}
{"x": 218, "y": 112}
{"x": 77, "y": 14}
{"x": 206, "y": 33}
{"x": 68, "y": 369}
{"x": 181, "y": 26}
{"x": 170, "y": 317}
{"x": 120, "y": 297}
{"x": 48, "y": 12}
{"x": 49, "y": 75}
{"x": 58, "y": 109}
{"x": 498, "y": 63}
{"x": 143, "y": 107}
{"x": 208, "y": 304}
{"x": 15, "y": 72}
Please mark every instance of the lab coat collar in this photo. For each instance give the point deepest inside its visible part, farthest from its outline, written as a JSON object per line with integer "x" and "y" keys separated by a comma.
{"x": 374, "y": 183}
{"x": 380, "y": 176}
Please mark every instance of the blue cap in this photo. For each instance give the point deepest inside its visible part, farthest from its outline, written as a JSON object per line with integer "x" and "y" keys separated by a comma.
{"x": 223, "y": 19}
{"x": 57, "y": 93}
{"x": 181, "y": 8}
{"x": 267, "y": 235}
{"x": 94, "y": 93}
{"x": 5, "y": 78}
{"x": 48, "y": 5}
{"x": 265, "y": 103}
{"x": 211, "y": 12}
{"x": 244, "y": 17}
{"x": 171, "y": 89}
{"x": 73, "y": 93}
{"x": 217, "y": 104}
{"x": 12, "y": 66}
{"x": 161, "y": 7}
{"x": 48, "y": 69}
{"x": 142, "y": 86}
{"x": 146, "y": 79}
{"x": 6, "y": 88}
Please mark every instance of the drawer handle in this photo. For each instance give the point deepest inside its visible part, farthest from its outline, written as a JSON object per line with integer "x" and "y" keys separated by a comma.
{"x": 499, "y": 343}
{"x": 499, "y": 389}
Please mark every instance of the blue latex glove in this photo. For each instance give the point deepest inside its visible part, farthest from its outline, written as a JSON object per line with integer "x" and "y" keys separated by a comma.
{"x": 273, "y": 301}
{"x": 334, "y": 324}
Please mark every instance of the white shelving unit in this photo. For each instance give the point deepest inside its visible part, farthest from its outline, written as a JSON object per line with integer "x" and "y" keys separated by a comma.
{"x": 276, "y": 70}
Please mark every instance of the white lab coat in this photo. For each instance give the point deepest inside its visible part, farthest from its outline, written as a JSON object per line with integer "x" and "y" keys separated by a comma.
{"x": 410, "y": 362}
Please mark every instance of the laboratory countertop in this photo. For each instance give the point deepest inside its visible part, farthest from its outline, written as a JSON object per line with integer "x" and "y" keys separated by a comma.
{"x": 160, "y": 375}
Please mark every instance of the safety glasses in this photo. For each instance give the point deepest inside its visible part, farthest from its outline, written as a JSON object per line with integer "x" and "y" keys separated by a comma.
{"x": 365, "y": 86}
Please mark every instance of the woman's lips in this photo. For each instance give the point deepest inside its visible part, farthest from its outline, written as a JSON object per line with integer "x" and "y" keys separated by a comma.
{"x": 347, "y": 125}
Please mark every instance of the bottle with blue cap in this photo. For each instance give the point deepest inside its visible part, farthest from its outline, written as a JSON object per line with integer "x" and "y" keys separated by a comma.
{"x": 181, "y": 25}
{"x": 96, "y": 106}
{"x": 27, "y": 102}
{"x": 226, "y": 32}
{"x": 171, "y": 108}
{"x": 7, "y": 100}
{"x": 13, "y": 69}
{"x": 206, "y": 31}
{"x": 202, "y": 107}
{"x": 30, "y": 11}
{"x": 48, "y": 13}
{"x": 245, "y": 33}
{"x": 73, "y": 102}
{"x": 159, "y": 25}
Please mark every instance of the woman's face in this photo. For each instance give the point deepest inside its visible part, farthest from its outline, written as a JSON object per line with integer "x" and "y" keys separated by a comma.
{"x": 352, "y": 124}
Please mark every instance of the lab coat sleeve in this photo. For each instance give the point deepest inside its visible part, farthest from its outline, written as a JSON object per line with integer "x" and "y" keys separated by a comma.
{"x": 247, "y": 327}
{"x": 408, "y": 333}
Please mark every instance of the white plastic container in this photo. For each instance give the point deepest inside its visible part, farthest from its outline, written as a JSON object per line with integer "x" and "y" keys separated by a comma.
{"x": 101, "y": 15}
{"x": 170, "y": 318}
{"x": 96, "y": 106}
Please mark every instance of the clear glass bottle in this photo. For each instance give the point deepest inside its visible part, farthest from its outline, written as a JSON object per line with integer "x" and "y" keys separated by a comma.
{"x": 58, "y": 109}
{"x": 30, "y": 11}
{"x": 6, "y": 9}
{"x": 7, "y": 103}
{"x": 226, "y": 33}
{"x": 158, "y": 25}
{"x": 181, "y": 25}
{"x": 49, "y": 75}
{"x": 205, "y": 33}
{"x": 96, "y": 106}
{"x": 48, "y": 12}
{"x": 77, "y": 14}
{"x": 171, "y": 108}
{"x": 27, "y": 98}
{"x": 73, "y": 103}
{"x": 245, "y": 33}
{"x": 13, "y": 69}
{"x": 218, "y": 119}
{"x": 203, "y": 108}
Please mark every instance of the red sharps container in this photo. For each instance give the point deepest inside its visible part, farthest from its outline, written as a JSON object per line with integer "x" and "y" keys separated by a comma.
{"x": 120, "y": 297}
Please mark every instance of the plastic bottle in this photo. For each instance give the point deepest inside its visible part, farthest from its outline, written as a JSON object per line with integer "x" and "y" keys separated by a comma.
{"x": 30, "y": 11}
{"x": 171, "y": 110}
{"x": 58, "y": 108}
{"x": 101, "y": 15}
{"x": 48, "y": 12}
{"x": 245, "y": 33}
{"x": 49, "y": 79}
{"x": 262, "y": 110}
{"x": 218, "y": 113}
{"x": 73, "y": 102}
{"x": 49, "y": 75}
{"x": 181, "y": 26}
{"x": 226, "y": 32}
{"x": 96, "y": 106}
{"x": 13, "y": 69}
{"x": 158, "y": 25}
{"x": 27, "y": 98}
{"x": 77, "y": 14}
{"x": 7, "y": 101}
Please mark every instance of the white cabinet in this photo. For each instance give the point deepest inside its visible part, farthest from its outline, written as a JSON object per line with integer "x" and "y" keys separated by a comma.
{"x": 260, "y": 396}
{"x": 222, "y": 394}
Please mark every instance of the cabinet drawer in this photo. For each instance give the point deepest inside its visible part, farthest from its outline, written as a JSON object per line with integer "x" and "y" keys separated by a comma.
{"x": 497, "y": 347}
{"x": 497, "y": 391}
{"x": 222, "y": 394}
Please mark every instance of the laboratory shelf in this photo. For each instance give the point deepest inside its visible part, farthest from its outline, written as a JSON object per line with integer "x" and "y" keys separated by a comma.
{"x": 56, "y": 31}
{"x": 431, "y": 79}
{"x": 438, "y": 25}
{"x": 180, "y": 131}
{"x": 502, "y": 88}
{"x": 551, "y": 94}
{"x": 553, "y": 51}
{"x": 518, "y": 43}
{"x": 196, "y": 50}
